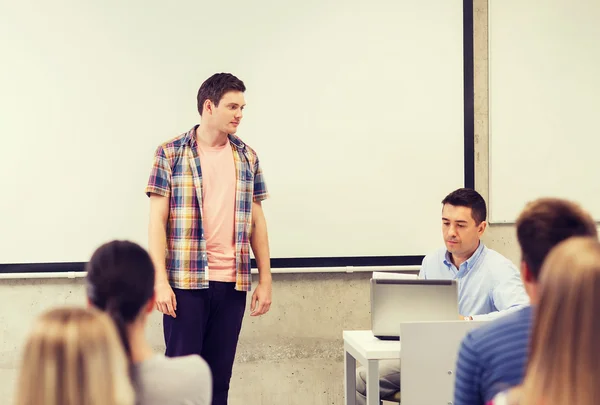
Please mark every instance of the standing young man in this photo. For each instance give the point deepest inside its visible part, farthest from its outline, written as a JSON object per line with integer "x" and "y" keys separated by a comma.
{"x": 205, "y": 189}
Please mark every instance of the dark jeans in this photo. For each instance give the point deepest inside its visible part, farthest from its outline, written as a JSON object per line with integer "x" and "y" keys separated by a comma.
{"x": 208, "y": 323}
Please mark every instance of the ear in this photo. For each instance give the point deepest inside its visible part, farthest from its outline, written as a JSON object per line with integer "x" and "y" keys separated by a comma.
{"x": 89, "y": 303}
{"x": 208, "y": 106}
{"x": 150, "y": 304}
{"x": 482, "y": 227}
{"x": 526, "y": 274}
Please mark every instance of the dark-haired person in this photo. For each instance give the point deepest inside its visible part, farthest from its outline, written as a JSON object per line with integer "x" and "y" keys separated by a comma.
{"x": 562, "y": 368}
{"x": 489, "y": 285}
{"x": 120, "y": 282}
{"x": 205, "y": 189}
{"x": 493, "y": 357}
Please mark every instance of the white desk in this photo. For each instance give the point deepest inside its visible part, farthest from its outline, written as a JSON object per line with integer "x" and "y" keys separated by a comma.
{"x": 361, "y": 345}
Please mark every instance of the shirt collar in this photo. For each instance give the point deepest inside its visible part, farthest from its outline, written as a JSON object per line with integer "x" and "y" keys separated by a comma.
{"x": 471, "y": 261}
{"x": 190, "y": 139}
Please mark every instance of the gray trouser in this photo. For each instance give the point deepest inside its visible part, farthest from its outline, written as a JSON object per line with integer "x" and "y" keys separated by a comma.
{"x": 389, "y": 381}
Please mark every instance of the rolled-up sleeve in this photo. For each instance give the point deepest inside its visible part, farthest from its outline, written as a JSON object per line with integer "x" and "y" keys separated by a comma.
{"x": 160, "y": 175}
{"x": 260, "y": 186}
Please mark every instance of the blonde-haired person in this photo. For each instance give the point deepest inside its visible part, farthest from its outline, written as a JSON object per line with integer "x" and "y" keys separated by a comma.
{"x": 73, "y": 356}
{"x": 564, "y": 362}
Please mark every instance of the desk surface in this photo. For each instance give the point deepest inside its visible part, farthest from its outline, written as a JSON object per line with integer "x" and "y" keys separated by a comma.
{"x": 369, "y": 347}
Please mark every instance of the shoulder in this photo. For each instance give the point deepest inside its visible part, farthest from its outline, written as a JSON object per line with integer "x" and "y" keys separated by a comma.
{"x": 192, "y": 371}
{"x": 430, "y": 263}
{"x": 187, "y": 377}
{"x": 170, "y": 148}
{"x": 508, "y": 329}
{"x": 243, "y": 146}
{"x": 435, "y": 256}
{"x": 497, "y": 257}
{"x": 500, "y": 264}
{"x": 192, "y": 364}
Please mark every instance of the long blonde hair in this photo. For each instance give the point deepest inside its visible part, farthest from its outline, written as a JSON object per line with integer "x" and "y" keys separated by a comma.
{"x": 73, "y": 356}
{"x": 564, "y": 360}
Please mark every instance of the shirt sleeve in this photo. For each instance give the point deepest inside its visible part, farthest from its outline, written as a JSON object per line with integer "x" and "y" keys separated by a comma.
{"x": 467, "y": 382}
{"x": 507, "y": 296}
{"x": 160, "y": 175}
{"x": 260, "y": 187}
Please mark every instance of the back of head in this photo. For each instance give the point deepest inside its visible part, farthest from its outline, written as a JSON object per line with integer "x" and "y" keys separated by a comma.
{"x": 467, "y": 197}
{"x": 546, "y": 222}
{"x": 73, "y": 356}
{"x": 120, "y": 281}
{"x": 216, "y": 86}
{"x": 564, "y": 363}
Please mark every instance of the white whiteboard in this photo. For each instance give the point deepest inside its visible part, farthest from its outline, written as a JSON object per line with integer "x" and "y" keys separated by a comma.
{"x": 544, "y": 83}
{"x": 355, "y": 110}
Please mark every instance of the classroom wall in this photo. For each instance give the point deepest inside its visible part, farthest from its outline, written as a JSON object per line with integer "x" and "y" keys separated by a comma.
{"x": 500, "y": 237}
{"x": 293, "y": 355}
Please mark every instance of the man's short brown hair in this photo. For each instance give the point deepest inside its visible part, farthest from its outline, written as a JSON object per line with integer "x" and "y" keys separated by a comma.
{"x": 215, "y": 87}
{"x": 546, "y": 222}
{"x": 467, "y": 197}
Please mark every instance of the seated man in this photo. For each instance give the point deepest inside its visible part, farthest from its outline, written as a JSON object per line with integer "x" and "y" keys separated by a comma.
{"x": 489, "y": 284}
{"x": 493, "y": 357}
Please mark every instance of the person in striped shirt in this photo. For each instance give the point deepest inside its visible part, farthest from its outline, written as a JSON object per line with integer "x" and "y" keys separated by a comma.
{"x": 492, "y": 357}
{"x": 563, "y": 363}
{"x": 205, "y": 188}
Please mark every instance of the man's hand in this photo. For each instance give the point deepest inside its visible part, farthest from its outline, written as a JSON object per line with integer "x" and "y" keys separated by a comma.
{"x": 165, "y": 298}
{"x": 261, "y": 299}
{"x": 259, "y": 241}
{"x": 157, "y": 241}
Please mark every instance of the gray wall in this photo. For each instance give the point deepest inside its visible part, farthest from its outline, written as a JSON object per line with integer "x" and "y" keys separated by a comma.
{"x": 293, "y": 355}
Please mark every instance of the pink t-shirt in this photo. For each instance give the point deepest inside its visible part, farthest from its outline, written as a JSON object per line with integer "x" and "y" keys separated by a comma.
{"x": 218, "y": 210}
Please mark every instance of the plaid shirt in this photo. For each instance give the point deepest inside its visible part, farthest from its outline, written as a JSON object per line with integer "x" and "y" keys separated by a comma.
{"x": 176, "y": 174}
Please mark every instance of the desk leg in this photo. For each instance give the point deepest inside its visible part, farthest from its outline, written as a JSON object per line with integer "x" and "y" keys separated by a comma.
{"x": 373, "y": 382}
{"x": 350, "y": 379}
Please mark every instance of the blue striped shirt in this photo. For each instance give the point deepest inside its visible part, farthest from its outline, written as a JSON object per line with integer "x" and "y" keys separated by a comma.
{"x": 489, "y": 285}
{"x": 492, "y": 358}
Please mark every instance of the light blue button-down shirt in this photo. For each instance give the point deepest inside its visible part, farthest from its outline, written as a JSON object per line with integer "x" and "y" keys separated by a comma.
{"x": 489, "y": 285}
